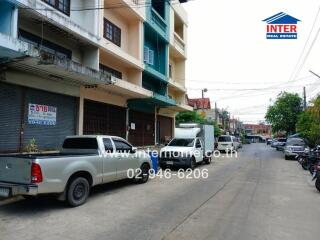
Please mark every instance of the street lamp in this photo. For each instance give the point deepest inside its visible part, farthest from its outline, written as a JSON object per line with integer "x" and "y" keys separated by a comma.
{"x": 203, "y": 91}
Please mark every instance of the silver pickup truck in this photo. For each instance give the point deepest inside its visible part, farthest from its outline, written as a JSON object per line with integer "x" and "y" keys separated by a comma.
{"x": 83, "y": 162}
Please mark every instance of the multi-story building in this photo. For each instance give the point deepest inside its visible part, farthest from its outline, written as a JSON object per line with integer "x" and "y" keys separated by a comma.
{"x": 82, "y": 67}
{"x": 258, "y": 129}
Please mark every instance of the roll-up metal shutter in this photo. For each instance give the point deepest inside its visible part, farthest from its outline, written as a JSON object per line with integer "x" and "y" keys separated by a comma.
{"x": 10, "y": 117}
{"x": 105, "y": 119}
{"x": 143, "y": 132}
{"x": 165, "y": 127}
{"x": 51, "y": 136}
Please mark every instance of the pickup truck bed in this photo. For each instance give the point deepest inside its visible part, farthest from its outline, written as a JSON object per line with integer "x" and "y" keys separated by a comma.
{"x": 84, "y": 161}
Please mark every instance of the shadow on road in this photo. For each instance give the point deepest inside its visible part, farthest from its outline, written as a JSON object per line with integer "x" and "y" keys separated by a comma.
{"x": 38, "y": 205}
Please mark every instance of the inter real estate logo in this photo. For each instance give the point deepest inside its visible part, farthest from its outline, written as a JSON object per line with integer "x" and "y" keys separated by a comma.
{"x": 282, "y": 26}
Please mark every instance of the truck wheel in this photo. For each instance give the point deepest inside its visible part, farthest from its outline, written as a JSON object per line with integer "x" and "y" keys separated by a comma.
{"x": 318, "y": 184}
{"x": 286, "y": 157}
{"x": 78, "y": 191}
{"x": 192, "y": 163}
{"x": 144, "y": 176}
{"x": 208, "y": 160}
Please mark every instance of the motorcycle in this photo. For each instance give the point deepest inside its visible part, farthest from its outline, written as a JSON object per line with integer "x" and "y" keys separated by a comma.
{"x": 316, "y": 176}
{"x": 309, "y": 160}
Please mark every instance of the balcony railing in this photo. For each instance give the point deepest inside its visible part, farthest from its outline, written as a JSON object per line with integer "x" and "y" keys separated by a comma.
{"x": 135, "y": 1}
{"x": 179, "y": 42}
{"x": 157, "y": 19}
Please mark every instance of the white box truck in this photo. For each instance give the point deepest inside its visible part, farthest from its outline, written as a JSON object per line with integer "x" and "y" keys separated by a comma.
{"x": 193, "y": 143}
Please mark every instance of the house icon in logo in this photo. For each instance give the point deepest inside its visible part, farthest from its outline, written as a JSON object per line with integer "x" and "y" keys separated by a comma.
{"x": 282, "y": 26}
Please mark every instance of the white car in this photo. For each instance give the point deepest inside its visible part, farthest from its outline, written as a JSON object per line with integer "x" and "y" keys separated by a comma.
{"x": 228, "y": 143}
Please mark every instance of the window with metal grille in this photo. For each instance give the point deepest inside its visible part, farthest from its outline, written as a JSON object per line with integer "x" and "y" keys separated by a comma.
{"x": 112, "y": 32}
{"x": 110, "y": 70}
{"x": 61, "y": 5}
{"x": 151, "y": 57}
{"x": 148, "y": 56}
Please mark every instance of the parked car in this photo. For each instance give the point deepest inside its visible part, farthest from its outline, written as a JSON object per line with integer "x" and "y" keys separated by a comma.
{"x": 227, "y": 143}
{"x": 192, "y": 144}
{"x": 294, "y": 147}
{"x": 274, "y": 143}
{"x": 239, "y": 142}
{"x": 269, "y": 141}
{"x": 85, "y": 161}
{"x": 281, "y": 144}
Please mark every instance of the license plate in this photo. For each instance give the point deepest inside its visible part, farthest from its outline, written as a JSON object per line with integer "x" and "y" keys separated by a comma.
{"x": 4, "y": 192}
{"x": 170, "y": 162}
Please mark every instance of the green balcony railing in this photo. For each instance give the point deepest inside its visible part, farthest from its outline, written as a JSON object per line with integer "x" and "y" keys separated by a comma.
{"x": 157, "y": 19}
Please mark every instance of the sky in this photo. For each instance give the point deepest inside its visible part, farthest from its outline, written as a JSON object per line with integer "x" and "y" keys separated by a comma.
{"x": 228, "y": 54}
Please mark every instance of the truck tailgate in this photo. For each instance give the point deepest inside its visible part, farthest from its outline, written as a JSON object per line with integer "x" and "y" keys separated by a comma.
{"x": 15, "y": 170}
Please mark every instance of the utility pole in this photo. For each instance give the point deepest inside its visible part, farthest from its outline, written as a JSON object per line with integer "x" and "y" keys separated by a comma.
{"x": 215, "y": 112}
{"x": 304, "y": 98}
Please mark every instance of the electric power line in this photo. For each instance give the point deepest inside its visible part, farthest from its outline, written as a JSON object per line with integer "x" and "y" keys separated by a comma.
{"x": 305, "y": 45}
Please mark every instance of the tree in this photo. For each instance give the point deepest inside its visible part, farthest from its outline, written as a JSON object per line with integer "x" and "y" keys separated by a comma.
{"x": 217, "y": 130}
{"x": 283, "y": 114}
{"x": 309, "y": 123}
{"x": 194, "y": 117}
{"x": 189, "y": 117}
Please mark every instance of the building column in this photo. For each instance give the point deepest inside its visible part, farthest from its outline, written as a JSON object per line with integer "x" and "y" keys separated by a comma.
{"x": 156, "y": 125}
{"x": 127, "y": 124}
{"x": 80, "y": 115}
{"x": 14, "y": 23}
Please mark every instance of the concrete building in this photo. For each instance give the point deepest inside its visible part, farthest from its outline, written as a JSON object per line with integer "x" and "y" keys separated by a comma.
{"x": 67, "y": 72}
{"x": 258, "y": 129}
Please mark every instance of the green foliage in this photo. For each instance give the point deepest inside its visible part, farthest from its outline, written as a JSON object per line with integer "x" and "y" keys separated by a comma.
{"x": 284, "y": 113}
{"x": 31, "y": 146}
{"x": 189, "y": 117}
{"x": 194, "y": 117}
{"x": 217, "y": 130}
{"x": 309, "y": 123}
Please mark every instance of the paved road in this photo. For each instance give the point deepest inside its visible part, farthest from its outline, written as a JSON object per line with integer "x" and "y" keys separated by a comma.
{"x": 256, "y": 196}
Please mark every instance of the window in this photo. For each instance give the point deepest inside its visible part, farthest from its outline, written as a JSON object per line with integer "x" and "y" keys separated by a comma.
{"x": 46, "y": 45}
{"x": 224, "y": 139}
{"x": 148, "y": 56}
{"x": 176, "y": 142}
{"x": 198, "y": 144}
{"x": 61, "y": 5}
{"x": 80, "y": 143}
{"x": 112, "y": 32}
{"x": 110, "y": 70}
{"x": 108, "y": 147}
{"x": 151, "y": 57}
{"x": 170, "y": 70}
{"x": 122, "y": 146}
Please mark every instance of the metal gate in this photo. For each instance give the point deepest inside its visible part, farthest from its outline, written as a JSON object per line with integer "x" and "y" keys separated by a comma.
{"x": 10, "y": 117}
{"x": 105, "y": 119}
{"x": 16, "y": 130}
{"x": 143, "y": 132}
{"x": 164, "y": 129}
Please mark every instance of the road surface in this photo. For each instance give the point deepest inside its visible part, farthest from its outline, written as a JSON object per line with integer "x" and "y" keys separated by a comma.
{"x": 257, "y": 195}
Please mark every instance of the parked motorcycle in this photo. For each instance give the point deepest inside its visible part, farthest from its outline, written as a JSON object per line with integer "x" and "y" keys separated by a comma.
{"x": 317, "y": 176}
{"x": 309, "y": 160}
